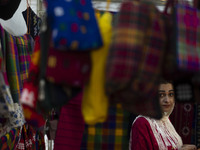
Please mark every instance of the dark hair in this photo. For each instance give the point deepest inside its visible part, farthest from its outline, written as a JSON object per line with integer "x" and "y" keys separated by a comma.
{"x": 163, "y": 81}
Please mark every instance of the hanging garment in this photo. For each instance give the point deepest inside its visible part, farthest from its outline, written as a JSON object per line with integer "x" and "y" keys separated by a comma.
{"x": 182, "y": 56}
{"x": 8, "y": 8}
{"x": 95, "y": 101}
{"x": 29, "y": 94}
{"x": 18, "y": 52}
{"x": 33, "y": 22}
{"x": 73, "y": 25}
{"x": 70, "y": 126}
{"x": 135, "y": 58}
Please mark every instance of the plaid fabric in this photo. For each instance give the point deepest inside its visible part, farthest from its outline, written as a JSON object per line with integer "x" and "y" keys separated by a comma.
{"x": 187, "y": 30}
{"x": 11, "y": 139}
{"x": 25, "y": 48}
{"x": 135, "y": 58}
{"x": 110, "y": 135}
{"x": 12, "y": 67}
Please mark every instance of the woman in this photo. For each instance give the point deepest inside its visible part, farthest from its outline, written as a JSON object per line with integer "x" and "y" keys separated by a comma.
{"x": 150, "y": 134}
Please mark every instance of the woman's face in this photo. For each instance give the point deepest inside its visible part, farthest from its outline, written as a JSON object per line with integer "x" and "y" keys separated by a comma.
{"x": 166, "y": 98}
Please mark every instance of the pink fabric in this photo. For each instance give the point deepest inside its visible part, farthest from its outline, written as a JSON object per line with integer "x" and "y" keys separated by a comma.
{"x": 70, "y": 126}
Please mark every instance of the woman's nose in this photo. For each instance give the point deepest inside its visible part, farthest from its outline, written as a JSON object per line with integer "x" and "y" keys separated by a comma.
{"x": 166, "y": 99}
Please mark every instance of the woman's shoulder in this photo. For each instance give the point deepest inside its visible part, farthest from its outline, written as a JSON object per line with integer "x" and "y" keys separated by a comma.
{"x": 141, "y": 121}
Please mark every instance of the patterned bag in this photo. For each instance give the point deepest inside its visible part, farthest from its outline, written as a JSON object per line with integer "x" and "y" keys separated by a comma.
{"x": 73, "y": 25}
{"x": 135, "y": 58}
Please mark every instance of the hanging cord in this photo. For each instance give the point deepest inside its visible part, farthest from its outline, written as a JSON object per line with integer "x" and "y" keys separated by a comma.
{"x": 107, "y": 5}
{"x": 28, "y": 17}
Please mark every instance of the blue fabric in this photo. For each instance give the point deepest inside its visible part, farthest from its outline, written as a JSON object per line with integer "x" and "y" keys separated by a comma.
{"x": 73, "y": 24}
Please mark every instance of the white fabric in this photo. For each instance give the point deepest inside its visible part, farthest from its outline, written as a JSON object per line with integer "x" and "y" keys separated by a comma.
{"x": 165, "y": 133}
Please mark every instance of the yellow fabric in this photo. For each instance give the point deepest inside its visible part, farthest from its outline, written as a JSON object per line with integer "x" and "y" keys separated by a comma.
{"x": 95, "y": 102}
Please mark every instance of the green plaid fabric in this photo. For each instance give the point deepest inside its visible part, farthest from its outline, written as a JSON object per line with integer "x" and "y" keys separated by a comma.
{"x": 12, "y": 67}
{"x": 25, "y": 49}
{"x": 110, "y": 135}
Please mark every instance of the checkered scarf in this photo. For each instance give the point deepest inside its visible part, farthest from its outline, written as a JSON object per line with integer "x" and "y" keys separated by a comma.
{"x": 187, "y": 30}
{"x": 25, "y": 49}
{"x": 135, "y": 57}
{"x": 113, "y": 134}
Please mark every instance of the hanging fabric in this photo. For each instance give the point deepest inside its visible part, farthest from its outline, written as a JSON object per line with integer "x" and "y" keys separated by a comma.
{"x": 73, "y": 25}
{"x": 95, "y": 101}
{"x": 135, "y": 58}
{"x": 33, "y": 22}
{"x": 70, "y": 126}
{"x": 29, "y": 95}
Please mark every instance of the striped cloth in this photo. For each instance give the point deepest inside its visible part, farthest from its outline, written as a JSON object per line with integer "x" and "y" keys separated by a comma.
{"x": 110, "y": 135}
{"x": 70, "y": 126}
{"x": 135, "y": 58}
{"x": 187, "y": 37}
{"x": 18, "y": 52}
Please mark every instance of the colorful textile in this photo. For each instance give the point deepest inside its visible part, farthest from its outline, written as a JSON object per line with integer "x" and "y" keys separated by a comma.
{"x": 12, "y": 67}
{"x": 33, "y": 22}
{"x": 187, "y": 37}
{"x": 11, "y": 139}
{"x": 183, "y": 119}
{"x": 73, "y": 25}
{"x": 25, "y": 46}
{"x": 30, "y": 139}
{"x": 113, "y": 134}
{"x": 29, "y": 94}
{"x": 151, "y": 134}
{"x": 73, "y": 67}
{"x": 70, "y": 126}
{"x": 95, "y": 101}
{"x": 135, "y": 58}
